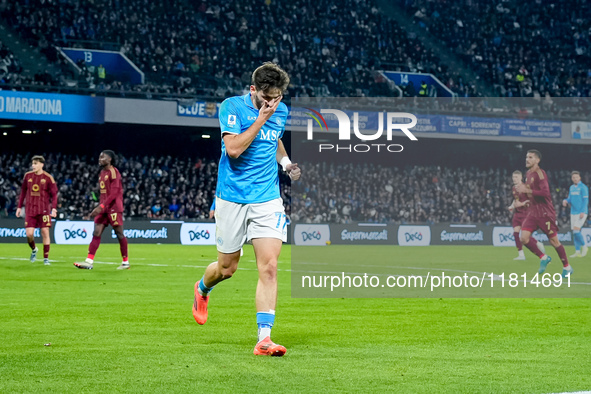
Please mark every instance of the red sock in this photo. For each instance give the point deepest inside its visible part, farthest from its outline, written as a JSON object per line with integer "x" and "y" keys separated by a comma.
{"x": 92, "y": 248}
{"x": 46, "y": 251}
{"x": 562, "y": 255}
{"x": 532, "y": 245}
{"x": 123, "y": 248}
{"x": 517, "y": 241}
{"x": 32, "y": 244}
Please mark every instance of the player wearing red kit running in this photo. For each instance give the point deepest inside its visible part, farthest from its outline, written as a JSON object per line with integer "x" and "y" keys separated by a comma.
{"x": 519, "y": 207}
{"x": 39, "y": 190}
{"x": 109, "y": 211}
{"x": 541, "y": 213}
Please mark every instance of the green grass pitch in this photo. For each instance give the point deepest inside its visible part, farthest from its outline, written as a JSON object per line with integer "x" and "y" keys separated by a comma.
{"x": 132, "y": 331}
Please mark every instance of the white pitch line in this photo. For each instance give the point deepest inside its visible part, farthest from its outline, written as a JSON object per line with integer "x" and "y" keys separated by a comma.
{"x": 575, "y": 392}
{"x": 495, "y": 277}
{"x": 148, "y": 265}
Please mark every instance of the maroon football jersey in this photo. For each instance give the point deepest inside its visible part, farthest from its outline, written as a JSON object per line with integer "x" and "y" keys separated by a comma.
{"x": 521, "y": 197}
{"x": 39, "y": 192}
{"x": 540, "y": 198}
{"x": 111, "y": 189}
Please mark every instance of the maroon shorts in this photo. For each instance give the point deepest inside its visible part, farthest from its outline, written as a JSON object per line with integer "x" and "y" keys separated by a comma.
{"x": 114, "y": 219}
{"x": 545, "y": 223}
{"x": 38, "y": 221}
{"x": 518, "y": 218}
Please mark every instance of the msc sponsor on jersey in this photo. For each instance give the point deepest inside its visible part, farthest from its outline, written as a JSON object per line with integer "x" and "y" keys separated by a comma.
{"x": 311, "y": 234}
{"x": 198, "y": 234}
{"x": 74, "y": 233}
{"x": 414, "y": 235}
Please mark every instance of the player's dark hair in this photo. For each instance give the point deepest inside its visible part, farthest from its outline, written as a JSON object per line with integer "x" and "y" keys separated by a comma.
{"x": 38, "y": 158}
{"x": 535, "y": 152}
{"x": 112, "y": 155}
{"x": 517, "y": 172}
{"x": 575, "y": 173}
{"x": 270, "y": 76}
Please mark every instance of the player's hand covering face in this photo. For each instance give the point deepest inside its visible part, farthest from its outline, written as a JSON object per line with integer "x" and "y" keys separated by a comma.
{"x": 266, "y": 101}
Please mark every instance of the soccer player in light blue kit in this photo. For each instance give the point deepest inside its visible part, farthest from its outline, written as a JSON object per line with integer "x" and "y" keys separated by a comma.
{"x": 578, "y": 198}
{"x": 249, "y": 207}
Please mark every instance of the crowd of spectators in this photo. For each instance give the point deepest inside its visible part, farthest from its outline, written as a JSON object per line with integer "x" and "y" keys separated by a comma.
{"x": 10, "y": 66}
{"x": 414, "y": 194}
{"x": 330, "y": 48}
{"x": 154, "y": 187}
{"x": 183, "y": 188}
{"x": 523, "y": 48}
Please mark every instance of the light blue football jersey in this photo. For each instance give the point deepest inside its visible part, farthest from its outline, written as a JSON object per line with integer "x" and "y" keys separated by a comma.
{"x": 253, "y": 177}
{"x": 578, "y": 197}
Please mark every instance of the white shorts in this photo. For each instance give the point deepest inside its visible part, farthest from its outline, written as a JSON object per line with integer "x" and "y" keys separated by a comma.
{"x": 576, "y": 221}
{"x": 237, "y": 223}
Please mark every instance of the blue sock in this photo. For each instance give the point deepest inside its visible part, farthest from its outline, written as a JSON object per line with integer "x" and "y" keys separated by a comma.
{"x": 265, "y": 321}
{"x": 579, "y": 240}
{"x": 204, "y": 290}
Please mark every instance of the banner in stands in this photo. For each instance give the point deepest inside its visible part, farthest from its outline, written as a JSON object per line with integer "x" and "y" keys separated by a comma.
{"x": 73, "y": 232}
{"x": 563, "y": 237}
{"x": 311, "y": 234}
{"x": 150, "y": 232}
{"x": 80, "y": 232}
{"x": 414, "y": 235}
{"x": 503, "y": 236}
{"x": 363, "y": 234}
{"x": 461, "y": 234}
{"x": 198, "y": 234}
{"x": 581, "y": 130}
{"x": 532, "y": 128}
{"x": 193, "y": 233}
{"x": 586, "y": 235}
{"x": 115, "y": 63}
{"x": 198, "y": 109}
{"x": 51, "y": 107}
{"x": 13, "y": 231}
{"x": 417, "y": 79}
{"x": 464, "y": 125}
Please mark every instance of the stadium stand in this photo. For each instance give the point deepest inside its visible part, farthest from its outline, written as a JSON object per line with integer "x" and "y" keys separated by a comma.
{"x": 522, "y": 48}
{"x": 329, "y": 48}
{"x": 10, "y": 68}
{"x": 413, "y": 194}
{"x": 183, "y": 188}
{"x": 154, "y": 187}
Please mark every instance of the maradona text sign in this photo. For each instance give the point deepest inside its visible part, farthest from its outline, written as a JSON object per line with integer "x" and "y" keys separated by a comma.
{"x": 51, "y": 107}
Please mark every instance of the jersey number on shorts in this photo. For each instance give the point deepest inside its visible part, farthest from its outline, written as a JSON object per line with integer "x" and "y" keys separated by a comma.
{"x": 114, "y": 216}
{"x": 549, "y": 224}
{"x": 45, "y": 218}
{"x": 279, "y": 217}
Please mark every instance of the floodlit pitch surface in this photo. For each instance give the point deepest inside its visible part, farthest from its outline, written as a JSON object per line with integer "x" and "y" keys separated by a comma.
{"x": 133, "y": 330}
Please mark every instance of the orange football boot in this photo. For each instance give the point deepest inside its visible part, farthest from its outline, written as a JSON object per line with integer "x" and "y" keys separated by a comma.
{"x": 200, "y": 306}
{"x": 266, "y": 347}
